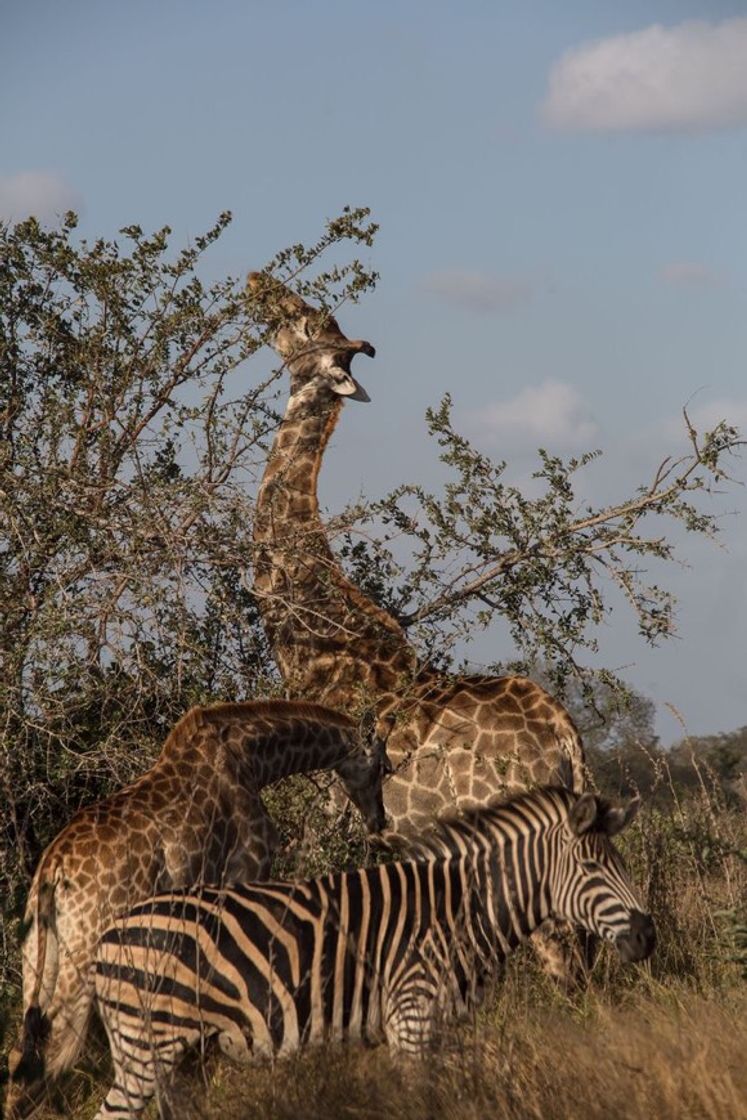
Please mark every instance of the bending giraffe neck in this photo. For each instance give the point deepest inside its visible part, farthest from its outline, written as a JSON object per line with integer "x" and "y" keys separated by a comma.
{"x": 267, "y": 740}
{"x": 276, "y": 739}
{"x": 329, "y": 639}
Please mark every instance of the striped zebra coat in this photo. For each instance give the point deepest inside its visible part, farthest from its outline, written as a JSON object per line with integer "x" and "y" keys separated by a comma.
{"x": 380, "y": 954}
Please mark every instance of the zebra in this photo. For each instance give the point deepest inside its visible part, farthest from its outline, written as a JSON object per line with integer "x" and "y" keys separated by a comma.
{"x": 379, "y": 954}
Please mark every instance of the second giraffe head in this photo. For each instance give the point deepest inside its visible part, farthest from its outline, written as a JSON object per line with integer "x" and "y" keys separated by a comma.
{"x": 309, "y": 340}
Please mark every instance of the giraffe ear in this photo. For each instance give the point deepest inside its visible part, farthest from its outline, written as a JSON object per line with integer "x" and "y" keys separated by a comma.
{"x": 345, "y": 385}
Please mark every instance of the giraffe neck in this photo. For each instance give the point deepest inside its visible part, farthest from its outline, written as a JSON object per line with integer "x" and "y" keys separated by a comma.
{"x": 298, "y": 747}
{"x": 330, "y": 641}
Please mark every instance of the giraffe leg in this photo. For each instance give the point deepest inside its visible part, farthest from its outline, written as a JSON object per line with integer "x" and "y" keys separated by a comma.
{"x": 62, "y": 1032}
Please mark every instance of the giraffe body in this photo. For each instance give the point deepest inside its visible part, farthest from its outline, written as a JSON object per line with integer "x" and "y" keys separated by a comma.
{"x": 472, "y": 741}
{"x": 453, "y": 742}
{"x": 195, "y": 816}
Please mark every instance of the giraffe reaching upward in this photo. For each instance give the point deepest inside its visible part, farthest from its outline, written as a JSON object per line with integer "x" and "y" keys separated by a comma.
{"x": 327, "y": 637}
{"x": 195, "y": 816}
{"x": 453, "y": 742}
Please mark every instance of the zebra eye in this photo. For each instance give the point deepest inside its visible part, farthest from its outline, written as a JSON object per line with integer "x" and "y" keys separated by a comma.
{"x": 591, "y": 866}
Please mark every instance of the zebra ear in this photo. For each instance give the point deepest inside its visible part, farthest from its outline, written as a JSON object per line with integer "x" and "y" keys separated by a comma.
{"x": 615, "y": 820}
{"x": 583, "y": 815}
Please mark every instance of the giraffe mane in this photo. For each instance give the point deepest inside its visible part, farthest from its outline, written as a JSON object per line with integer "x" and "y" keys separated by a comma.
{"x": 218, "y": 715}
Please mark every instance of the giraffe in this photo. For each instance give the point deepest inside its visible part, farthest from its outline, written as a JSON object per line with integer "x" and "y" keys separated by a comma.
{"x": 452, "y": 742}
{"x": 195, "y": 817}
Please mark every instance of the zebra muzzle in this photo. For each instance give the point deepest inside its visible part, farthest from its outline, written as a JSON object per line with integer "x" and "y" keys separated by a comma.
{"x": 638, "y": 941}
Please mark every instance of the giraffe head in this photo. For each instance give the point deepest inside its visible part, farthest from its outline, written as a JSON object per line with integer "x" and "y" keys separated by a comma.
{"x": 308, "y": 340}
{"x": 592, "y": 887}
{"x": 361, "y": 775}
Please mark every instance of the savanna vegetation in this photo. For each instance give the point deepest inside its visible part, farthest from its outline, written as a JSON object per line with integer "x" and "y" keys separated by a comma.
{"x": 135, "y": 417}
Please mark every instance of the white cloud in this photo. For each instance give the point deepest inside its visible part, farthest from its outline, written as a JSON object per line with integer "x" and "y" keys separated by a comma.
{"x": 478, "y": 291}
{"x": 41, "y": 193}
{"x": 686, "y": 77}
{"x": 688, "y": 274}
{"x": 552, "y": 415}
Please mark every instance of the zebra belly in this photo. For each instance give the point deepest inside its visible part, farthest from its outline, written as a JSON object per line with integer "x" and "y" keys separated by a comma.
{"x": 248, "y": 965}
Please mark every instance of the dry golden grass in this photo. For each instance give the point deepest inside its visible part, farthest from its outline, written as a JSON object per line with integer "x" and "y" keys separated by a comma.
{"x": 665, "y": 1055}
{"x": 636, "y": 1049}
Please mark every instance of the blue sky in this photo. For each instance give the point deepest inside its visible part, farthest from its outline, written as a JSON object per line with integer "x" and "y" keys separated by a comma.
{"x": 561, "y": 190}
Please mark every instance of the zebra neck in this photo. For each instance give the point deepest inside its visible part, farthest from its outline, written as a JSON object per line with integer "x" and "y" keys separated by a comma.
{"x": 518, "y": 894}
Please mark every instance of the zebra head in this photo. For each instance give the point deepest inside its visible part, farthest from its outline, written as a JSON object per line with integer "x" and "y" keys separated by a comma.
{"x": 361, "y": 775}
{"x": 592, "y": 887}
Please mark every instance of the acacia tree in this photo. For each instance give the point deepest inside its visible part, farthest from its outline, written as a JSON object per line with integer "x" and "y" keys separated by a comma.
{"x": 549, "y": 565}
{"x": 132, "y": 431}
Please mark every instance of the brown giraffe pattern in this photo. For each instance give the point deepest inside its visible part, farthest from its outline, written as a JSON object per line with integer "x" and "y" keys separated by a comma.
{"x": 453, "y": 742}
{"x": 195, "y": 816}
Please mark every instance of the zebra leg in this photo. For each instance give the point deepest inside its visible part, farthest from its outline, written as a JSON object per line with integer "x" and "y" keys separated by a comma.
{"x": 410, "y": 1017}
{"x": 235, "y": 1045}
{"x": 141, "y": 1065}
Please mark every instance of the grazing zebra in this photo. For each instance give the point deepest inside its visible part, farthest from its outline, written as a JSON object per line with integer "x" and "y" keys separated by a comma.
{"x": 380, "y": 954}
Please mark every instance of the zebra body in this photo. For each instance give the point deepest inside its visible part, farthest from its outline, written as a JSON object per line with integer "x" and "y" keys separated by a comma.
{"x": 379, "y": 954}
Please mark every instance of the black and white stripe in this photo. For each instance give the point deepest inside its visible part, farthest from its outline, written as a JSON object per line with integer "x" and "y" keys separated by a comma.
{"x": 379, "y": 954}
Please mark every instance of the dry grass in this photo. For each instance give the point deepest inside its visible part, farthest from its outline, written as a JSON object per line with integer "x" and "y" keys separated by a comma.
{"x": 635, "y": 1049}
{"x": 672, "y": 1055}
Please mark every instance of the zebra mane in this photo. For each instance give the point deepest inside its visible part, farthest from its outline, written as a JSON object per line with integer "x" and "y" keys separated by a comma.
{"x": 445, "y": 837}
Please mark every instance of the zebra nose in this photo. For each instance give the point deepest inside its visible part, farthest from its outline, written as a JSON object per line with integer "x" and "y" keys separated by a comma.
{"x": 639, "y": 939}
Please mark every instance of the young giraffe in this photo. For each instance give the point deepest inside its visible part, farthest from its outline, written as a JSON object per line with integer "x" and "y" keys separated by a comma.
{"x": 453, "y": 742}
{"x": 195, "y": 816}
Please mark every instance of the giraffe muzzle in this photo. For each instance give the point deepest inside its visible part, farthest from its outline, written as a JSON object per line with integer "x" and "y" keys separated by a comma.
{"x": 376, "y": 821}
